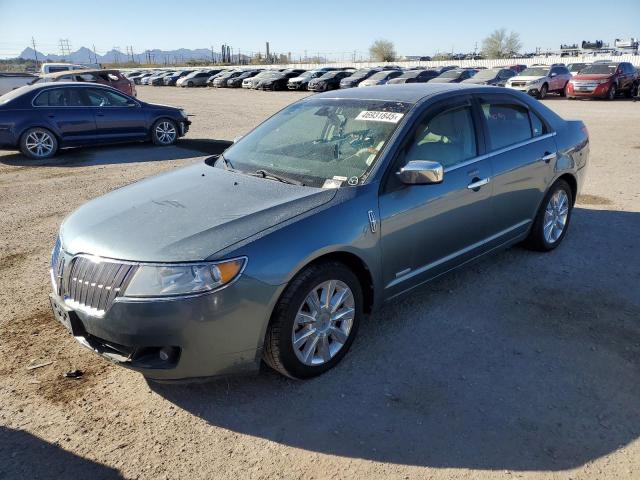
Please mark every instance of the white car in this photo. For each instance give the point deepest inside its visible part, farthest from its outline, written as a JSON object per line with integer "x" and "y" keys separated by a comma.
{"x": 538, "y": 80}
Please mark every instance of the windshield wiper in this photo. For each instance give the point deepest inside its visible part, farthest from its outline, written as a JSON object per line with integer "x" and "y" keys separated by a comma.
{"x": 265, "y": 174}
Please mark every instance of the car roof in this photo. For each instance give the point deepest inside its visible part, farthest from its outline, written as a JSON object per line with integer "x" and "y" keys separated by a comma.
{"x": 78, "y": 72}
{"x": 44, "y": 86}
{"x": 408, "y": 93}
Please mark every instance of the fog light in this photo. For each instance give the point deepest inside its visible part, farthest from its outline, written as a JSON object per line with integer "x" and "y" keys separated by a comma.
{"x": 167, "y": 353}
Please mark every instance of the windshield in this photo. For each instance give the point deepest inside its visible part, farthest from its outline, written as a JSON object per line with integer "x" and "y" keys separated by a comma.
{"x": 380, "y": 75}
{"x": 320, "y": 142}
{"x": 535, "y": 72}
{"x": 599, "y": 69}
{"x": 410, "y": 74}
{"x": 360, "y": 73}
{"x": 486, "y": 74}
{"x": 576, "y": 67}
{"x": 329, "y": 75}
{"x": 451, "y": 74}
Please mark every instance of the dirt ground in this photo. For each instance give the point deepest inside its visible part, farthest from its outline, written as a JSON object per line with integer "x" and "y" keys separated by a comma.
{"x": 524, "y": 365}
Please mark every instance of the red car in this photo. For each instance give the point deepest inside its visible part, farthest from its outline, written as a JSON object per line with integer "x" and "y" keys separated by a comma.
{"x": 112, "y": 78}
{"x": 604, "y": 80}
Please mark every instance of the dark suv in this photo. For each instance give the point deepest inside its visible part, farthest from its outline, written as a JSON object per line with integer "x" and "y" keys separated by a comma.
{"x": 604, "y": 80}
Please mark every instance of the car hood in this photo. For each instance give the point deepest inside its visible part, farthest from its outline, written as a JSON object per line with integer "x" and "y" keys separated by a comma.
{"x": 526, "y": 78}
{"x": 593, "y": 76}
{"x": 185, "y": 215}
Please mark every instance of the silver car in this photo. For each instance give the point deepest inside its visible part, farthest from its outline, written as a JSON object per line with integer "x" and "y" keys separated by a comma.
{"x": 277, "y": 249}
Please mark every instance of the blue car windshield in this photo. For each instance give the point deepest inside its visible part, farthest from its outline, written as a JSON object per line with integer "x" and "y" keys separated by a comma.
{"x": 320, "y": 142}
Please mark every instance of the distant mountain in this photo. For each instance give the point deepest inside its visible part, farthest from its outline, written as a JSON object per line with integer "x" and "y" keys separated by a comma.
{"x": 86, "y": 55}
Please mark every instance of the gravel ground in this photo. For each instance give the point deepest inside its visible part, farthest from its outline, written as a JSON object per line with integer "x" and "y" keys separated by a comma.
{"x": 523, "y": 365}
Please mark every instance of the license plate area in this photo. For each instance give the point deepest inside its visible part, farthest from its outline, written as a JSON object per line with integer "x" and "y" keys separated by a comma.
{"x": 67, "y": 317}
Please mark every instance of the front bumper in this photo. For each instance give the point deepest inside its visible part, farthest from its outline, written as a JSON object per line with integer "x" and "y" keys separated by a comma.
{"x": 532, "y": 90}
{"x": 220, "y": 333}
{"x": 588, "y": 91}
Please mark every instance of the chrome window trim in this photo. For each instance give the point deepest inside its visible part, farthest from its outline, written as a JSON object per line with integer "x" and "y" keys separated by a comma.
{"x": 499, "y": 151}
{"x": 97, "y": 85}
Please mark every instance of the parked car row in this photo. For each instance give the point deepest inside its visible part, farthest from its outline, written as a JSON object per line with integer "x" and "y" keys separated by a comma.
{"x": 577, "y": 80}
{"x": 599, "y": 79}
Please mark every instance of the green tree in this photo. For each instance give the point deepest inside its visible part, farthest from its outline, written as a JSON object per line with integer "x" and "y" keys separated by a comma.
{"x": 382, "y": 51}
{"x": 501, "y": 44}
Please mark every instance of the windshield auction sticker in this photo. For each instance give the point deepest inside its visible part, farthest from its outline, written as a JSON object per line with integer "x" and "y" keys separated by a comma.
{"x": 372, "y": 116}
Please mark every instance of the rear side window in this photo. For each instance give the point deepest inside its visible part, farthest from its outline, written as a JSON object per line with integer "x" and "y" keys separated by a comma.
{"x": 59, "y": 97}
{"x": 506, "y": 124}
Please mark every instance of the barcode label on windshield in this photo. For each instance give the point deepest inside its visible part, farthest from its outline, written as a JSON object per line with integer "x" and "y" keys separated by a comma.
{"x": 372, "y": 116}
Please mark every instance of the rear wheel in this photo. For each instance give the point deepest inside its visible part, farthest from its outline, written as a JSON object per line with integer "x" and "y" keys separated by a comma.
{"x": 38, "y": 143}
{"x": 552, "y": 221}
{"x": 315, "y": 321}
{"x": 632, "y": 91}
{"x": 164, "y": 132}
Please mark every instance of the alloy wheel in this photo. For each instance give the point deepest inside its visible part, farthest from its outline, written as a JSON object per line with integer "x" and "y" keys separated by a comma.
{"x": 39, "y": 143}
{"x": 555, "y": 216}
{"x": 165, "y": 132}
{"x": 323, "y": 322}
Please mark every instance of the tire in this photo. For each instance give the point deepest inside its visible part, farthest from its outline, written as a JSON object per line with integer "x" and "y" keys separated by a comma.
{"x": 611, "y": 94}
{"x": 38, "y": 143}
{"x": 164, "y": 132}
{"x": 189, "y": 84}
{"x": 538, "y": 238}
{"x": 631, "y": 92}
{"x": 563, "y": 92}
{"x": 543, "y": 92}
{"x": 320, "y": 329}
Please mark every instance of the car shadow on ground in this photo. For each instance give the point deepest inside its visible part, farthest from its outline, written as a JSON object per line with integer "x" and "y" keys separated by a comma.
{"x": 122, "y": 153}
{"x": 26, "y": 456}
{"x": 522, "y": 361}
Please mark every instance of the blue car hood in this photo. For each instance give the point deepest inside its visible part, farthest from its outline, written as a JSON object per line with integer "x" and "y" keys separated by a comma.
{"x": 185, "y": 215}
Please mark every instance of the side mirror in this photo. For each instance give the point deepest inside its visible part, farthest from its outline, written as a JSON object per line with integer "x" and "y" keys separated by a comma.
{"x": 421, "y": 172}
{"x": 553, "y": 75}
{"x": 132, "y": 103}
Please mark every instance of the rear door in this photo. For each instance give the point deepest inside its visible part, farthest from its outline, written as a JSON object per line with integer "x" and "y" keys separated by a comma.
{"x": 117, "y": 117}
{"x": 64, "y": 110}
{"x": 522, "y": 150}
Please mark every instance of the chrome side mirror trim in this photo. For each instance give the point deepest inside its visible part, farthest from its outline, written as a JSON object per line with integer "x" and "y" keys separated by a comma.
{"x": 421, "y": 172}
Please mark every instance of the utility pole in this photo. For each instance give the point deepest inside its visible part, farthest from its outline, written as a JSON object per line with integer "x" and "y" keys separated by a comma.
{"x": 213, "y": 59}
{"x": 95, "y": 57}
{"x": 65, "y": 48}
{"x": 35, "y": 51}
{"x": 116, "y": 55}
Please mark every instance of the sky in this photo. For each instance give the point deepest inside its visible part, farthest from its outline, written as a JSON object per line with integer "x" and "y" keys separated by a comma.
{"x": 332, "y": 28}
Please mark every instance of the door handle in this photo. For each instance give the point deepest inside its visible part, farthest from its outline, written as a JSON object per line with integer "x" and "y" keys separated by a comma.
{"x": 477, "y": 183}
{"x": 99, "y": 114}
{"x": 549, "y": 156}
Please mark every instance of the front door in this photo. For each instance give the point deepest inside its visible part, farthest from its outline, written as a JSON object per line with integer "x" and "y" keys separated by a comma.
{"x": 117, "y": 116}
{"x": 428, "y": 229}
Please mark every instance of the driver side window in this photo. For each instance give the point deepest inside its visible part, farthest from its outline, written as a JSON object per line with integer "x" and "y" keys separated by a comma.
{"x": 448, "y": 138}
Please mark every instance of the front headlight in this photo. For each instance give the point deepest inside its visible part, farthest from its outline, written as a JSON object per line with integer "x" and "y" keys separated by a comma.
{"x": 600, "y": 82}
{"x": 533, "y": 82}
{"x": 183, "y": 113}
{"x": 185, "y": 279}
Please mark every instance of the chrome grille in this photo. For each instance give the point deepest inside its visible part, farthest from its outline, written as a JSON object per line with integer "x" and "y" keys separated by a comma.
{"x": 92, "y": 283}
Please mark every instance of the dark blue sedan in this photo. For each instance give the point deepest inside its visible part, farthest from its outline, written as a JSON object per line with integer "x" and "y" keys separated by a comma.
{"x": 42, "y": 118}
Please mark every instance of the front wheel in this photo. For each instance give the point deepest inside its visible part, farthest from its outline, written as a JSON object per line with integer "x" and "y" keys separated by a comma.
{"x": 543, "y": 92}
{"x": 164, "y": 132}
{"x": 552, "y": 221}
{"x": 315, "y": 321}
{"x": 563, "y": 92}
{"x": 611, "y": 94}
{"x": 38, "y": 143}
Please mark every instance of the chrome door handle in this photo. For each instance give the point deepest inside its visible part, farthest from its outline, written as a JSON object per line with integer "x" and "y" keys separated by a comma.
{"x": 549, "y": 156}
{"x": 478, "y": 183}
